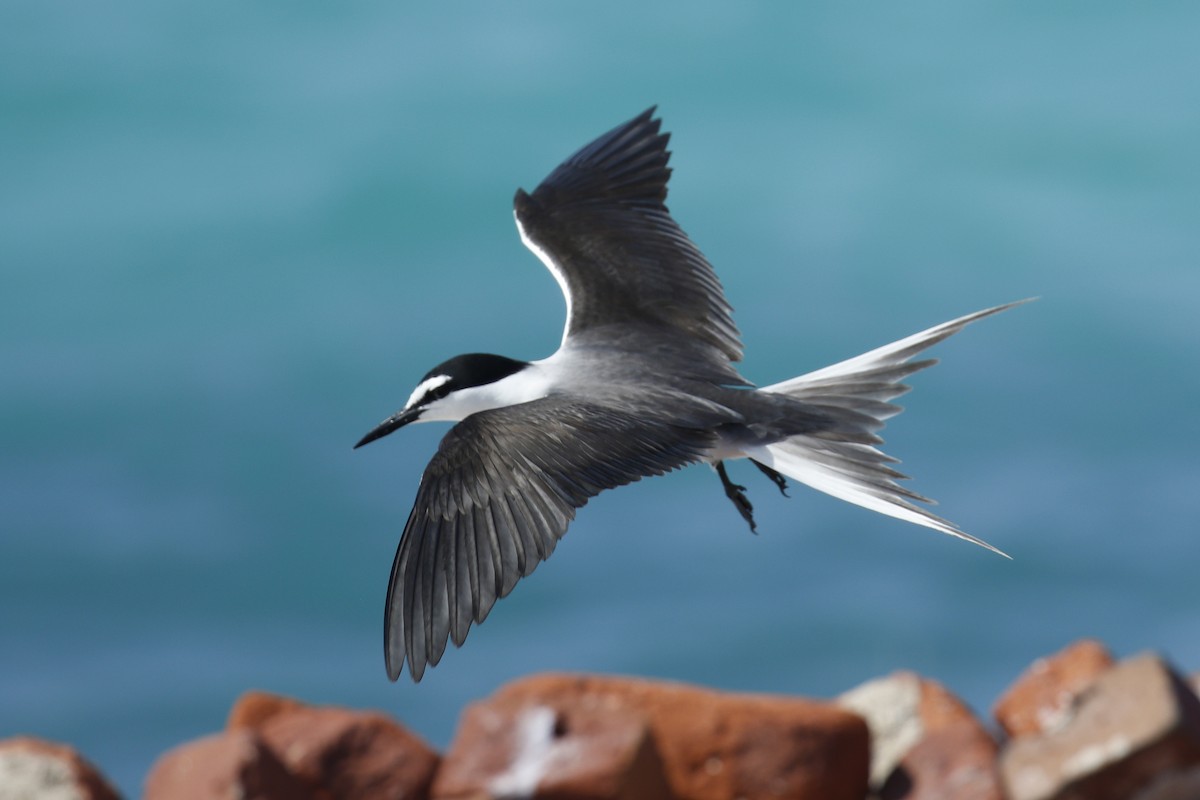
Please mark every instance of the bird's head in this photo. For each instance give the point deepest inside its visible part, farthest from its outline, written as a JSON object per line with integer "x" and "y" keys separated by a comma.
{"x": 455, "y": 389}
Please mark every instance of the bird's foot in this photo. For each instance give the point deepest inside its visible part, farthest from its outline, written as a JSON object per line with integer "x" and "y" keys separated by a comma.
{"x": 779, "y": 480}
{"x": 737, "y": 494}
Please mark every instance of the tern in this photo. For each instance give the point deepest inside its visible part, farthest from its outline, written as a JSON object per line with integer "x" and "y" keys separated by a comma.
{"x": 642, "y": 383}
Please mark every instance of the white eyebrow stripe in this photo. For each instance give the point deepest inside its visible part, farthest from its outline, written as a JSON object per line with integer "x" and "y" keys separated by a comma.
{"x": 424, "y": 387}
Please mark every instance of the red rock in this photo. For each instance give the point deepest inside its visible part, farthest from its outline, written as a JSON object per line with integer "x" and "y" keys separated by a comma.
{"x": 32, "y": 768}
{"x": 338, "y": 752}
{"x": 890, "y": 706}
{"x": 252, "y": 709}
{"x": 512, "y": 749}
{"x": 225, "y": 766}
{"x": 940, "y": 709}
{"x": 1136, "y": 729}
{"x": 903, "y": 710}
{"x": 711, "y": 745}
{"x": 1044, "y": 696}
{"x": 956, "y": 761}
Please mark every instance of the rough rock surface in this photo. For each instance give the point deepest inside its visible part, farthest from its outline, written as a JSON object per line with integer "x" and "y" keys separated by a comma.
{"x": 1136, "y": 730}
{"x": 229, "y": 766}
{"x": 275, "y": 747}
{"x": 33, "y": 768}
{"x": 708, "y": 745}
{"x": 515, "y": 750}
{"x": 1044, "y": 697}
{"x": 925, "y": 742}
{"x": 952, "y": 762}
{"x": 890, "y": 705}
{"x": 338, "y": 752}
{"x": 253, "y": 709}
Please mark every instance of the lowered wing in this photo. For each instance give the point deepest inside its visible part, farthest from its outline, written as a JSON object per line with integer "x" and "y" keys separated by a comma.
{"x": 495, "y": 500}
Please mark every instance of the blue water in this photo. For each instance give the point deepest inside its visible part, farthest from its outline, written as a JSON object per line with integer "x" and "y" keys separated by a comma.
{"x": 233, "y": 236}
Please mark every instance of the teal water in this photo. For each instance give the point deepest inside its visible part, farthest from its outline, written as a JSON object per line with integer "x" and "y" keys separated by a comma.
{"x": 233, "y": 236}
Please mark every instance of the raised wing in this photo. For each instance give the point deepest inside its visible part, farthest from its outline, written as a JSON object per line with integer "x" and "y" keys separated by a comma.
{"x": 600, "y": 225}
{"x": 495, "y": 500}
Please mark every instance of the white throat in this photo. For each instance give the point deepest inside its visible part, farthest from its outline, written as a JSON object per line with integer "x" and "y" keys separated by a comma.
{"x": 532, "y": 383}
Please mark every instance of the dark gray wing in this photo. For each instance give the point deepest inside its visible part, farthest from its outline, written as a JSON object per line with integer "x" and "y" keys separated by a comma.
{"x": 494, "y": 502}
{"x": 600, "y": 225}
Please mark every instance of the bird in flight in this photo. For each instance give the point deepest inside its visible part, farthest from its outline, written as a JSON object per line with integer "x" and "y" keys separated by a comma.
{"x": 642, "y": 383}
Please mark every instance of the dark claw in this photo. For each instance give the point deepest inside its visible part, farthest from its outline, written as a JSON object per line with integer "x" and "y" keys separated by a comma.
{"x": 780, "y": 481}
{"x": 737, "y": 495}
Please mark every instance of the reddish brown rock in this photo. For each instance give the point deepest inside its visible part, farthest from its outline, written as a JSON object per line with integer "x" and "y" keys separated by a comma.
{"x": 939, "y": 709}
{"x": 903, "y": 710}
{"x": 709, "y": 745}
{"x": 891, "y": 708}
{"x": 1044, "y": 696}
{"x": 1133, "y": 732}
{"x": 32, "y": 768}
{"x": 226, "y": 766}
{"x": 956, "y": 761}
{"x": 338, "y": 752}
{"x": 509, "y": 748}
{"x": 252, "y": 709}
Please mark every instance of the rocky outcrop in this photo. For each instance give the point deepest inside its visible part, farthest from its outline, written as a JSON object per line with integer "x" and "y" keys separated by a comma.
{"x": 955, "y": 762}
{"x": 1045, "y": 694}
{"x": 925, "y": 742}
{"x": 277, "y": 748}
{"x": 601, "y": 737}
{"x": 1076, "y": 725}
{"x": 516, "y": 750}
{"x": 1134, "y": 732}
{"x": 228, "y": 766}
{"x": 339, "y": 752}
{"x": 34, "y": 768}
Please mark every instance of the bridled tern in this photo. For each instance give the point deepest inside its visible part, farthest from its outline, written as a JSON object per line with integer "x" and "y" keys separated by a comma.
{"x": 642, "y": 383}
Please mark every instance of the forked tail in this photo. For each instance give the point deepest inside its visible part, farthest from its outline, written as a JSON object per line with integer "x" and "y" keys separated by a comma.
{"x": 863, "y": 387}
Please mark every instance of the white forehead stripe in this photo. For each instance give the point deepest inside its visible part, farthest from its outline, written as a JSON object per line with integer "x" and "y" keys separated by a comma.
{"x": 425, "y": 386}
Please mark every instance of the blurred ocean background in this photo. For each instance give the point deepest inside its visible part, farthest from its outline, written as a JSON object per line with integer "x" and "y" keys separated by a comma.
{"x": 234, "y": 235}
